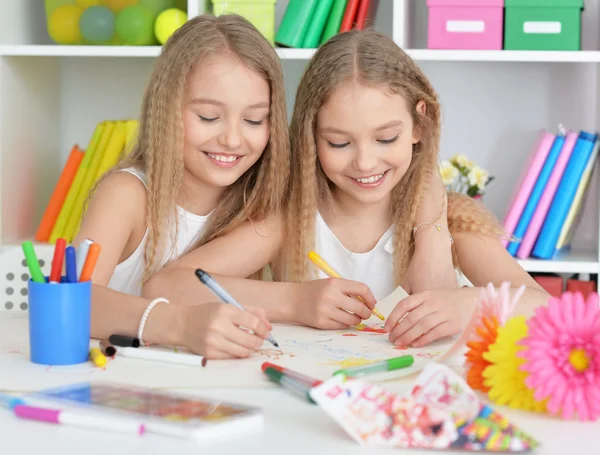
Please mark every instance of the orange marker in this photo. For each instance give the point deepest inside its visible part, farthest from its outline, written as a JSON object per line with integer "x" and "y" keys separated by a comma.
{"x": 90, "y": 263}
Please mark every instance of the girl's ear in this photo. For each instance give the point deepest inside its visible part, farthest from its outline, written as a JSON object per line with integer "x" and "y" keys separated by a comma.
{"x": 421, "y": 108}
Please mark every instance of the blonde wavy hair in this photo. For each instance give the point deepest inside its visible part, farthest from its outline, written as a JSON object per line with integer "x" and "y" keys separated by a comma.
{"x": 159, "y": 148}
{"x": 374, "y": 60}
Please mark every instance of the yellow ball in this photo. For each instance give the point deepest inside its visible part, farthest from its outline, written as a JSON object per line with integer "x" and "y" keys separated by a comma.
{"x": 63, "y": 25}
{"x": 118, "y": 5}
{"x": 87, "y": 3}
{"x": 167, "y": 22}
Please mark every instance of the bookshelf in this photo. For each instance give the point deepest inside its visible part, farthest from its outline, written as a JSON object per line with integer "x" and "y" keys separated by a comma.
{"x": 494, "y": 102}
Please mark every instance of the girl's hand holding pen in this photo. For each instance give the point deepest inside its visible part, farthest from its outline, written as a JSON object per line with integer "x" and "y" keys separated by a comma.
{"x": 326, "y": 303}
{"x": 220, "y": 331}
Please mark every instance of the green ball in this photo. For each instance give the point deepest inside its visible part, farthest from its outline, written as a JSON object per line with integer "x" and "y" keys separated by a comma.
{"x": 135, "y": 26}
{"x": 97, "y": 24}
{"x": 158, "y": 6}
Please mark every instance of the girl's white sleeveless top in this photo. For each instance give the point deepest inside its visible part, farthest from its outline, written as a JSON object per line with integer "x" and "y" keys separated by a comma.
{"x": 375, "y": 268}
{"x": 127, "y": 277}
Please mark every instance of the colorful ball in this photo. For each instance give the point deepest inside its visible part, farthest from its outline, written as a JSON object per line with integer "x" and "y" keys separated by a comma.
{"x": 97, "y": 24}
{"x": 135, "y": 25}
{"x": 63, "y": 24}
{"x": 118, "y": 5}
{"x": 87, "y": 3}
{"x": 167, "y": 22}
{"x": 158, "y": 6}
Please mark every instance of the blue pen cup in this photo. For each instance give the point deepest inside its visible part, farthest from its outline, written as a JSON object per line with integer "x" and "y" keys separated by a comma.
{"x": 59, "y": 322}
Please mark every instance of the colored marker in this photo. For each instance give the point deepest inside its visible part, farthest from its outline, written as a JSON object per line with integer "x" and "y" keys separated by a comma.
{"x": 80, "y": 419}
{"x": 395, "y": 363}
{"x": 298, "y": 388}
{"x": 181, "y": 358}
{"x": 9, "y": 402}
{"x": 71, "y": 264}
{"x": 292, "y": 374}
{"x": 97, "y": 357}
{"x": 107, "y": 348}
{"x": 90, "y": 263}
{"x": 216, "y": 289}
{"x": 57, "y": 260}
{"x": 331, "y": 273}
{"x": 82, "y": 253}
{"x": 32, "y": 263}
{"x": 124, "y": 341}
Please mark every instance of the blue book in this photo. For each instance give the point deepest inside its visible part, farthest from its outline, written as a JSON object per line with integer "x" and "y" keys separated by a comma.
{"x": 545, "y": 246}
{"x": 536, "y": 193}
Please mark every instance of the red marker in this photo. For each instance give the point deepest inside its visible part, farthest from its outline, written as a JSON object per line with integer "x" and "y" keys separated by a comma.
{"x": 57, "y": 260}
{"x": 292, "y": 374}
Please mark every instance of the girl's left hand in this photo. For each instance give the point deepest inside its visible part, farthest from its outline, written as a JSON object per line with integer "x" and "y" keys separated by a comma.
{"x": 424, "y": 317}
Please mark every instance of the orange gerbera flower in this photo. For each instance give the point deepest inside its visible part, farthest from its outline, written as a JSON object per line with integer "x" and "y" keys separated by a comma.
{"x": 475, "y": 362}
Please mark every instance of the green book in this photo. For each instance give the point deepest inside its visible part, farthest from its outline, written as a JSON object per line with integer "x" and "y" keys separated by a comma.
{"x": 295, "y": 23}
{"x": 335, "y": 20}
{"x": 317, "y": 24}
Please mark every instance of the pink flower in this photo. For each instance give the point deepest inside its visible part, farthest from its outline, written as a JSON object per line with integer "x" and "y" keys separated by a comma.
{"x": 562, "y": 356}
{"x": 492, "y": 305}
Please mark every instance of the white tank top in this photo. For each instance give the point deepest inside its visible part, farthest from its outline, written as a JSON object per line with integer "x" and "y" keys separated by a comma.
{"x": 375, "y": 268}
{"x": 127, "y": 277}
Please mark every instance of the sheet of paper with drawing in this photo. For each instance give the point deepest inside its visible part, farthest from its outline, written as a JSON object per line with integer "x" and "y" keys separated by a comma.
{"x": 316, "y": 353}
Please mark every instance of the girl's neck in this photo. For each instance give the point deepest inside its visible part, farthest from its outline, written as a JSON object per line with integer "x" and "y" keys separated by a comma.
{"x": 198, "y": 197}
{"x": 349, "y": 208}
{"x": 357, "y": 226}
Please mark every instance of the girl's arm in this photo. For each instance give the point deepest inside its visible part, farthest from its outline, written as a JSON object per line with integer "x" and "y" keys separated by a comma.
{"x": 245, "y": 251}
{"x": 431, "y": 265}
{"x": 115, "y": 220}
{"x": 432, "y": 315}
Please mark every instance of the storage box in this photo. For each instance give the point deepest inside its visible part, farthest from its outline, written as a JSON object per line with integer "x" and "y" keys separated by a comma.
{"x": 261, "y": 13}
{"x": 543, "y": 25}
{"x": 465, "y": 24}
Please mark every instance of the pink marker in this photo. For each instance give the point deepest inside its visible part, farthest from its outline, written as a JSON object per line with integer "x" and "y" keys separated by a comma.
{"x": 80, "y": 419}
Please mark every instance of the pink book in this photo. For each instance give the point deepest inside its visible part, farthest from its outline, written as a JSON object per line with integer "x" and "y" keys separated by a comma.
{"x": 536, "y": 162}
{"x": 542, "y": 208}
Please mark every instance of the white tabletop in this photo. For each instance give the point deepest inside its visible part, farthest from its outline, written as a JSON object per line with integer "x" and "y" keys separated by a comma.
{"x": 291, "y": 426}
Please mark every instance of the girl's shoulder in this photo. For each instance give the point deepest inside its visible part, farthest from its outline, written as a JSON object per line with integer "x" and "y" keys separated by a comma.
{"x": 121, "y": 192}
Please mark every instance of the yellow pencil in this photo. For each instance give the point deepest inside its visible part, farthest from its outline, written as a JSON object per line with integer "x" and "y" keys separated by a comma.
{"x": 330, "y": 272}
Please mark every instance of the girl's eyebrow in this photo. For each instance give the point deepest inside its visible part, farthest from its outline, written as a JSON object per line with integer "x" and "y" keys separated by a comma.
{"x": 393, "y": 123}
{"x": 260, "y": 105}
{"x": 389, "y": 125}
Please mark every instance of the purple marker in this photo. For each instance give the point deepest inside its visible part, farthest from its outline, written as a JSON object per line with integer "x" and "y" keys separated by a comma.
{"x": 80, "y": 419}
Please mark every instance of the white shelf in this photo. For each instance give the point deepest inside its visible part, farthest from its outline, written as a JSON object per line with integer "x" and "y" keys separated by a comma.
{"x": 571, "y": 262}
{"x": 50, "y": 50}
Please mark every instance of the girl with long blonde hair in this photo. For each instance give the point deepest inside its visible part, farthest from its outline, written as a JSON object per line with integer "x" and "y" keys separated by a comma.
{"x": 212, "y": 152}
{"x": 365, "y": 142}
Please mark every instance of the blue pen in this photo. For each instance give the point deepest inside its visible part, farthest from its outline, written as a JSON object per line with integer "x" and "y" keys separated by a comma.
{"x": 9, "y": 402}
{"x": 216, "y": 289}
{"x": 71, "y": 265}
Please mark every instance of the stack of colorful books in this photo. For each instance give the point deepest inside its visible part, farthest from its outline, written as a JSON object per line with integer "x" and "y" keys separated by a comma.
{"x": 310, "y": 23}
{"x": 545, "y": 210}
{"x": 110, "y": 142}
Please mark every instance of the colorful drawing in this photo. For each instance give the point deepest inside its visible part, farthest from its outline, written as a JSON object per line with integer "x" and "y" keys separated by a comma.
{"x": 440, "y": 412}
{"x": 370, "y": 328}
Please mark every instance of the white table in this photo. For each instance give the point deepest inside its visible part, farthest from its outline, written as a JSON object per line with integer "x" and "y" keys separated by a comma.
{"x": 291, "y": 426}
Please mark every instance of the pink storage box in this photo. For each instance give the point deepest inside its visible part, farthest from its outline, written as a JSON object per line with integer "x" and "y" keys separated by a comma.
{"x": 465, "y": 24}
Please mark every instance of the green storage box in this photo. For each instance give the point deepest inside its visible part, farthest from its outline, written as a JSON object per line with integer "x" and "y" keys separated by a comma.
{"x": 549, "y": 25}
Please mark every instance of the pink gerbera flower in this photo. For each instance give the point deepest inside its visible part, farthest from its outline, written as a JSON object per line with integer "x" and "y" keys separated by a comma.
{"x": 562, "y": 356}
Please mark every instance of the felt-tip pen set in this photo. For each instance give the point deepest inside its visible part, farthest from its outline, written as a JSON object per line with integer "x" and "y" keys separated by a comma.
{"x": 79, "y": 265}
